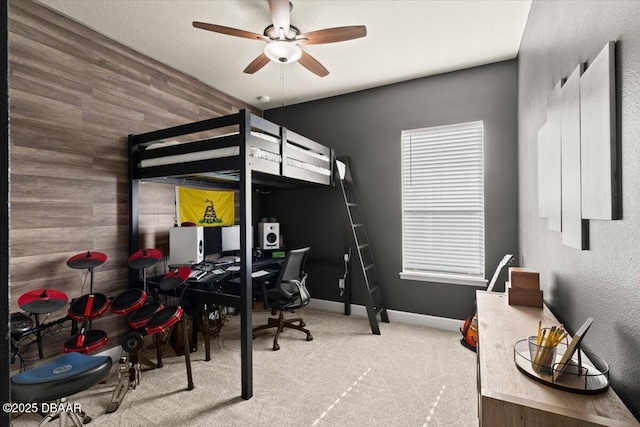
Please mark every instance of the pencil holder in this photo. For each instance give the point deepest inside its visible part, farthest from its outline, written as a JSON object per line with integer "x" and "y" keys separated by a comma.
{"x": 542, "y": 358}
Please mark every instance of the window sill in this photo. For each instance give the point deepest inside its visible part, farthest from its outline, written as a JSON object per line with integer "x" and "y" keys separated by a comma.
{"x": 444, "y": 278}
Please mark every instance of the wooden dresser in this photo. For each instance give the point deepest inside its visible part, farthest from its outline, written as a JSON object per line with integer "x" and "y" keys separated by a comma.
{"x": 509, "y": 398}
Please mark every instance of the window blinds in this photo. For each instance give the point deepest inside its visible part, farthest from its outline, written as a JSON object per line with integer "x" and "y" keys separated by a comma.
{"x": 443, "y": 200}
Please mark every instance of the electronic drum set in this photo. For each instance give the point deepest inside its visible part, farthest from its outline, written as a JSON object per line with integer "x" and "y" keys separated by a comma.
{"x": 144, "y": 317}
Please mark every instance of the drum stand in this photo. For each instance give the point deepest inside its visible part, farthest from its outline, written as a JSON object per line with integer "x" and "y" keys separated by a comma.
{"x": 129, "y": 366}
{"x": 36, "y": 317}
{"x": 91, "y": 292}
{"x": 42, "y": 301}
{"x": 88, "y": 260}
{"x": 156, "y": 325}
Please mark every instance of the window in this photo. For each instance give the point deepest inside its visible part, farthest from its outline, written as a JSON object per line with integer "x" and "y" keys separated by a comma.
{"x": 443, "y": 204}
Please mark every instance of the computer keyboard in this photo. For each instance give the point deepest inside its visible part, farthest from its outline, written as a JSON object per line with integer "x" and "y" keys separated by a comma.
{"x": 227, "y": 260}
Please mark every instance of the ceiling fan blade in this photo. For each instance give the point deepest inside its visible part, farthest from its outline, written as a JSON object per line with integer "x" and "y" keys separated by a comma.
{"x": 312, "y": 64}
{"x": 333, "y": 35}
{"x": 280, "y": 15}
{"x": 257, "y": 64}
{"x": 229, "y": 31}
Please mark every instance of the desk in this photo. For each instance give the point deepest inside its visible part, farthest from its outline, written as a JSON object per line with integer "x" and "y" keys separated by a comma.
{"x": 219, "y": 288}
{"x": 216, "y": 289}
{"x": 507, "y": 397}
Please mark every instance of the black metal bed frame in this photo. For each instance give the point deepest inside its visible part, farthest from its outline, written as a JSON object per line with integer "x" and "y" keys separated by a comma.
{"x": 238, "y": 172}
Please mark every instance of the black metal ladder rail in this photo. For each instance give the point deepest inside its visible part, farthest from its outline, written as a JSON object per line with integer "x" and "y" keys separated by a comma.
{"x": 373, "y": 296}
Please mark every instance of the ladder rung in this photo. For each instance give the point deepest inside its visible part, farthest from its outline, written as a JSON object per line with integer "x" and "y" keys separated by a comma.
{"x": 351, "y": 204}
{"x": 379, "y": 308}
{"x": 366, "y": 267}
{"x": 362, "y": 246}
{"x": 372, "y": 290}
{"x": 358, "y": 225}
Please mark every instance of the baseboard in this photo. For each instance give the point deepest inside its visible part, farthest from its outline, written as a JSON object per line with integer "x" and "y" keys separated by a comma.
{"x": 394, "y": 315}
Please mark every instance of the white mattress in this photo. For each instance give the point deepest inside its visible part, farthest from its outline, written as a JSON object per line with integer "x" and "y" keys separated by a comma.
{"x": 234, "y": 151}
{"x": 210, "y": 154}
{"x": 207, "y": 155}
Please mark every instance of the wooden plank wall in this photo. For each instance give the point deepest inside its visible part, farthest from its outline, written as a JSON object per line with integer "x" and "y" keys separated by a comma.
{"x": 74, "y": 97}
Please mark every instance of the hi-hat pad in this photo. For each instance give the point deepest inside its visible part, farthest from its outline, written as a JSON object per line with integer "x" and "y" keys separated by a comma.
{"x": 41, "y": 301}
{"x": 20, "y": 323}
{"x": 144, "y": 258}
{"x": 174, "y": 278}
{"x": 87, "y": 260}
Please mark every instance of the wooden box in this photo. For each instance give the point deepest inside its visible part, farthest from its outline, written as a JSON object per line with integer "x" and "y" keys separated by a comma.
{"x": 523, "y": 278}
{"x": 524, "y": 296}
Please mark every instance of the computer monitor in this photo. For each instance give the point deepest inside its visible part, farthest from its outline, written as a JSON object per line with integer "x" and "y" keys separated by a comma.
{"x": 231, "y": 238}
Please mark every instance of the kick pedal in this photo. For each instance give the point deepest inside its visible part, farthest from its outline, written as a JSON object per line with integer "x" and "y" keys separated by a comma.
{"x": 128, "y": 379}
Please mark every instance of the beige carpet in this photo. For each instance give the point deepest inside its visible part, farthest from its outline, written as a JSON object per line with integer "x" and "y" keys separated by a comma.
{"x": 407, "y": 376}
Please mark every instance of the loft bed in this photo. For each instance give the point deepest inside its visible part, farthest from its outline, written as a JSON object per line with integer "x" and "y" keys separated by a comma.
{"x": 235, "y": 151}
{"x": 277, "y": 156}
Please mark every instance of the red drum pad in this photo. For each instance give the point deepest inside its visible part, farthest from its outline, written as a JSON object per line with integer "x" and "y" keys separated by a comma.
{"x": 141, "y": 316}
{"x": 164, "y": 319}
{"x": 87, "y": 342}
{"x": 42, "y": 301}
{"x": 128, "y": 301}
{"x": 88, "y": 306}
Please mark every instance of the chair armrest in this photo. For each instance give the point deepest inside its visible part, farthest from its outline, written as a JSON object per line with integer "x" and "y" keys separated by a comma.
{"x": 301, "y": 291}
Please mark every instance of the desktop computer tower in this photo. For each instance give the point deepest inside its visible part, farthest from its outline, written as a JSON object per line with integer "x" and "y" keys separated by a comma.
{"x": 269, "y": 235}
{"x": 186, "y": 245}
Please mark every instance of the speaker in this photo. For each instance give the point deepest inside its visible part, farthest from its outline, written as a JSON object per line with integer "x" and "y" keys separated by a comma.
{"x": 186, "y": 245}
{"x": 269, "y": 235}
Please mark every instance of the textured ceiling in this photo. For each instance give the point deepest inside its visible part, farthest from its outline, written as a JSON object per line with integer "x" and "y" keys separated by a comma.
{"x": 405, "y": 40}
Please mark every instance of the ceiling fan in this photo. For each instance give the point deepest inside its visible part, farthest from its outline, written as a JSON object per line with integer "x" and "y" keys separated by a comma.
{"x": 284, "y": 40}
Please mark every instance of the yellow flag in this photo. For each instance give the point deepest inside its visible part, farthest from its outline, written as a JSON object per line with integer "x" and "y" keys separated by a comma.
{"x": 206, "y": 208}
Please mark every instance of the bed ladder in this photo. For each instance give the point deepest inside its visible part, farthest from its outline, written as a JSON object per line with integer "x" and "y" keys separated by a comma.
{"x": 373, "y": 298}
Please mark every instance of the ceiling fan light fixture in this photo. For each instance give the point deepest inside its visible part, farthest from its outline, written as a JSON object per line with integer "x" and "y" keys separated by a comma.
{"x": 283, "y": 51}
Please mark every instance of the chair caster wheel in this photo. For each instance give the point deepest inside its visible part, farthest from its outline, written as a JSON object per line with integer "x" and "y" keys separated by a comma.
{"x": 276, "y": 347}
{"x": 309, "y": 337}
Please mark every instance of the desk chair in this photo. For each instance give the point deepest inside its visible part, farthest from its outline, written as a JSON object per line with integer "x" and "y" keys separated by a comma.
{"x": 289, "y": 294}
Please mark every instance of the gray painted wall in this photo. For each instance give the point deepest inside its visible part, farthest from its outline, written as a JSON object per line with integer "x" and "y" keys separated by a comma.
{"x": 366, "y": 126}
{"x": 602, "y": 282}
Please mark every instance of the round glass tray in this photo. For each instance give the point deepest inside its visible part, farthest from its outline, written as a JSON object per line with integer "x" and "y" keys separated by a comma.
{"x": 584, "y": 373}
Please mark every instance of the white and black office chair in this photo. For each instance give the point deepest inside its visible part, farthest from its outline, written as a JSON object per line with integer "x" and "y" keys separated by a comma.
{"x": 290, "y": 293}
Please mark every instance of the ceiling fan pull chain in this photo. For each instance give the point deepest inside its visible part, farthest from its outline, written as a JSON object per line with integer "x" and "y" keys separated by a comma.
{"x": 282, "y": 78}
